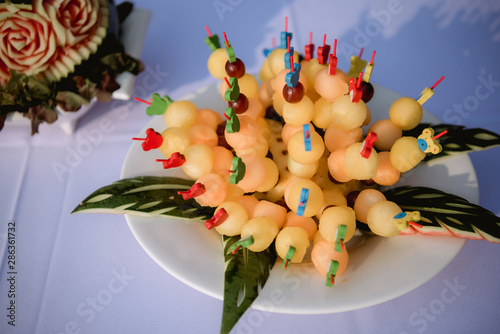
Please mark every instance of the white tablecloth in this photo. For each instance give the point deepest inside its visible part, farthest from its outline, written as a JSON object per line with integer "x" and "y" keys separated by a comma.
{"x": 87, "y": 273}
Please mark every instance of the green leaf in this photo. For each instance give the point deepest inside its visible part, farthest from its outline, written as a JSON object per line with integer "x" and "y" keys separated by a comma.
{"x": 146, "y": 196}
{"x": 245, "y": 275}
{"x": 458, "y": 139}
{"x": 447, "y": 214}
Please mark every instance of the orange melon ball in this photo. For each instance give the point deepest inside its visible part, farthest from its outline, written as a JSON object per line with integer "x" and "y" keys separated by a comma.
{"x": 348, "y": 115}
{"x": 269, "y": 209}
{"x": 263, "y": 230}
{"x": 358, "y": 167}
{"x": 322, "y": 113}
{"x": 365, "y": 200}
{"x": 332, "y": 218}
{"x": 199, "y": 160}
{"x": 323, "y": 252}
{"x": 246, "y": 137}
{"x": 329, "y": 86}
{"x": 266, "y": 92}
{"x": 295, "y": 237}
{"x": 248, "y": 202}
{"x": 236, "y": 218}
{"x": 306, "y": 223}
{"x": 314, "y": 201}
{"x": 208, "y": 117}
{"x": 387, "y": 134}
{"x": 223, "y": 160}
{"x": 297, "y": 149}
{"x": 298, "y": 113}
{"x": 202, "y": 134}
{"x": 174, "y": 140}
{"x": 277, "y": 60}
{"x": 336, "y": 165}
{"x": 386, "y": 175}
{"x": 255, "y": 173}
{"x": 216, "y": 190}
{"x": 337, "y": 138}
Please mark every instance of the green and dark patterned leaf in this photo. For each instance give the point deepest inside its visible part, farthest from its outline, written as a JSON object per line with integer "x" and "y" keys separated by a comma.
{"x": 245, "y": 275}
{"x": 146, "y": 196}
{"x": 458, "y": 139}
{"x": 447, "y": 214}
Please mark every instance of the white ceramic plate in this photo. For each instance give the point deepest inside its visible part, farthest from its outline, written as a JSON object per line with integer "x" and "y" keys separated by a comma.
{"x": 379, "y": 270}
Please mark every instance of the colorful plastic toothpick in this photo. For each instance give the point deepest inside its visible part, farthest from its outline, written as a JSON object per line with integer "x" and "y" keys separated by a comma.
{"x": 355, "y": 92}
{"x": 212, "y": 40}
{"x": 288, "y": 55}
{"x": 233, "y": 89}
{"x": 196, "y": 190}
{"x": 428, "y": 92}
{"x": 340, "y": 234}
{"x": 357, "y": 64}
{"x": 331, "y": 273}
{"x": 158, "y": 105}
{"x": 176, "y": 160}
{"x": 153, "y": 140}
{"x": 229, "y": 49}
{"x": 369, "y": 69}
{"x": 292, "y": 77}
{"x": 238, "y": 170}
{"x": 304, "y": 195}
{"x": 288, "y": 257}
{"x": 332, "y": 60}
{"x": 242, "y": 243}
{"x": 233, "y": 122}
{"x": 306, "y": 129}
{"x": 309, "y": 48}
{"x": 323, "y": 52}
{"x": 427, "y": 141}
{"x": 285, "y": 35}
{"x": 403, "y": 219}
{"x": 366, "y": 148}
{"x": 220, "y": 216}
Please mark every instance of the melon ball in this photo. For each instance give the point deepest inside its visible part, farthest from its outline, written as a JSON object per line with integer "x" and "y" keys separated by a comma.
{"x": 236, "y": 217}
{"x": 358, "y": 167}
{"x": 266, "y": 72}
{"x": 247, "y": 136}
{"x": 174, "y": 140}
{"x": 333, "y": 197}
{"x": 208, "y": 117}
{"x": 255, "y": 173}
{"x": 332, "y": 218}
{"x": 272, "y": 175}
{"x": 223, "y": 160}
{"x": 329, "y": 86}
{"x": 380, "y": 218}
{"x": 263, "y": 230}
{"x": 181, "y": 114}
{"x": 292, "y": 236}
{"x": 322, "y": 113}
{"x": 269, "y": 209}
{"x": 217, "y": 63}
{"x": 314, "y": 200}
{"x": 387, "y": 134}
{"x": 387, "y": 174}
{"x": 249, "y": 202}
{"x": 323, "y": 252}
{"x": 297, "y": 149}
{"x": 298, "y": 113}
{"x": 280, "y": 81}
{"x": 348, "y": 115}
{"x": 337, "y": 138}
{"x": 406, "y": 113}
{"x": 266, "y": 92}
{"x": 277, "y": 59}
{"x": 199, "y": 160}
{"x": 306, "y": 223}
{"x": 365, "y": 200}
{"x": 301, "y": 170}
{"x": 216, "y": 190}
{"x": 406, "y": 154}
{"x": 336, "y": 165}
{"x": 202, "y": 134}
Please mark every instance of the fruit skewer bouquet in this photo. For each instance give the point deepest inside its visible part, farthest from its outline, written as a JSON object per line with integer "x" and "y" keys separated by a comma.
{"x": 287, "y": 171}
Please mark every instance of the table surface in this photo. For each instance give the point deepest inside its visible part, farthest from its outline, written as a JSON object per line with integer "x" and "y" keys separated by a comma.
{"x": 88, "y": 274}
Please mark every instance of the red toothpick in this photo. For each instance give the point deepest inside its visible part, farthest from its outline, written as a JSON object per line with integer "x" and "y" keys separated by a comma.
{"x": 236, "y": 249}
{"x": 440, "y": 134}
{"x": 141, "y": 100}
{"x": 358, "y": 82}
{"x": 341, "y": 242}
{"x": 134, "y": 138}
{"x": 291, "y": 63}
{"x": 288, "y": 43}
{"x": 335, "y": 48}
{"x": 310, "y": 37}
{"x": 227, "y": 83}
{"x": 226, "y": 116}
{"x": 324, "y": 40}
{"x": 331, "y": 279}
{"x": 286, "y": 264}
{"x": 415, "y": 224}
{"x": 307, "y": 134}
{"x": 225, "y": 40}
{"x": 286, "y": 24}
{"x": 208, "y": 31}
{"x": 361, "y": 52}
{"x": 373, "y": 57}
{"x": 437, "y": 83}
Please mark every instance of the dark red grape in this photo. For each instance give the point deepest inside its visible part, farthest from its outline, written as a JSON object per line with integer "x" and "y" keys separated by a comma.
{"x": 368, "y": 90}
{"x": 240, "y": 105}
{"x": 351, "y": 198}
{"x": 293, "y": 94}
{"x": 235, "y": 69}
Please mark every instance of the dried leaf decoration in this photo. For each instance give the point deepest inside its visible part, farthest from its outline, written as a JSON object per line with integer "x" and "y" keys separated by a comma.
{"x": 458, "y": 140}
{"x": 446, "y": 214}
{"x": 146, "y": 196}
{"x": 246, "y": 273}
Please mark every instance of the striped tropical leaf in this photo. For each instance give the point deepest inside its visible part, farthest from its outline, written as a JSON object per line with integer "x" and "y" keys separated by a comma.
{"x": 146, "y": 196}
{"x": 446, "y": 214}
{"x": 245, "y": 275}
{"x": 458, "y": 139}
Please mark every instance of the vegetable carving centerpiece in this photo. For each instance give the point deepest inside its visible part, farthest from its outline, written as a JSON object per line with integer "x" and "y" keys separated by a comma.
{"x": 287, "y": 173}
{"x": 59, "y": 53}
